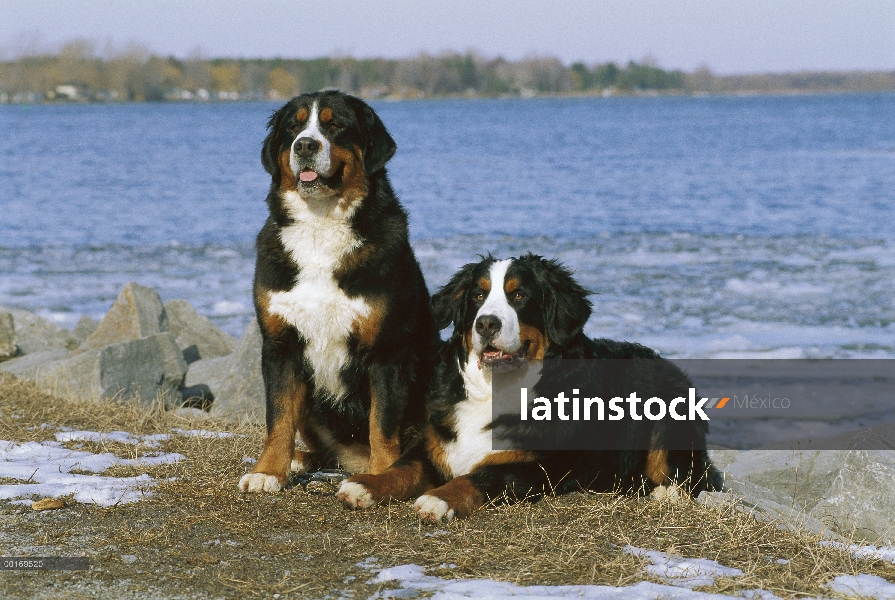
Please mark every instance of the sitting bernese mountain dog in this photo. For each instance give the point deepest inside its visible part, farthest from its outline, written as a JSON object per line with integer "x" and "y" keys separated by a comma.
{"x": 347, "y": 331}
{"x": 510, "y": 315}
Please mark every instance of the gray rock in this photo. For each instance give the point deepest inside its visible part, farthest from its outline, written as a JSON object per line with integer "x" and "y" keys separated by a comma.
{"x": 860, "y": 501}
{"x": 144, "y": 368}
{"x": 766, "y": 510}
{"x": 846, "y": 491}
{"x": 196, "y": 335}
{"x": 36, "y": 334}
{"x": 203, "y": 381}
{"x": 7, "y": 336}
{"x": 84, "y": 329}
{"x": 137, "y": 313}
{"x": 208, "y": 371}
{"x": 783, "y": 476}
{"x": 241, "y": 396}
{"x": 25, "y": 366}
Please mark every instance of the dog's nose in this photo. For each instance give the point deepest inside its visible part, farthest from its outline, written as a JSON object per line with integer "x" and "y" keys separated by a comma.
{"x": 487, "y": 326}
{"x": 306, "y": 146}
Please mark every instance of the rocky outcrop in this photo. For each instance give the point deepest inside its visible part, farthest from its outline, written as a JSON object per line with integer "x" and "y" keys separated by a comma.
{"x": 149, "y": 369}
{"x": 240, "y": 397}
{"x": 232, "y": 385}
{"x": 84, "y": 329}
{"x": 129, "y": 354}
{"x": 36, "y": 334}
{"x": 196, "y": 335}
{"x": 141, "y": 349}
{"x": 860, "y": 497}
{"x": 7, "y": 336}
{"x": 137, "y": 313}
{"x": 28, "y": 365}
{"x": 824, "y": 491}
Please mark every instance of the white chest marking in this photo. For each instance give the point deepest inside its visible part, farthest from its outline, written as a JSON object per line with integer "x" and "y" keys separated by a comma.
{"x": 321, "y": 312}
{"x": 471, "y": 416}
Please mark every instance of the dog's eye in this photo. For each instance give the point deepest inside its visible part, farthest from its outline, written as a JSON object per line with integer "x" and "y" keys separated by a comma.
{"x": 479, "y": 297}
{"x": 295, "y": 128}
{"x": 332, "y": 126}
{"x": 518, "y": 296}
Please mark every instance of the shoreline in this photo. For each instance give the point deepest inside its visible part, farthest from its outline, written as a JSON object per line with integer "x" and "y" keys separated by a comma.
{"x": 783, "y": 92}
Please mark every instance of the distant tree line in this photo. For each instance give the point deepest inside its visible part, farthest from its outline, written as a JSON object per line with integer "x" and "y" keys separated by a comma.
{"x": 78, "y": 73}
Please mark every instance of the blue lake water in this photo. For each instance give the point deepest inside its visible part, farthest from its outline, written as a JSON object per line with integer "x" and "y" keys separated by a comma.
{"x": 708, "y": 227}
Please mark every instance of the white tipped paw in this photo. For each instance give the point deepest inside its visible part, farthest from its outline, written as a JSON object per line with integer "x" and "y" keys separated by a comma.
{"x": 433, "y": 510}
{"x": 667, "y": 493}
{"x": 354, "y": 495}
{"x": 259, "y": 482}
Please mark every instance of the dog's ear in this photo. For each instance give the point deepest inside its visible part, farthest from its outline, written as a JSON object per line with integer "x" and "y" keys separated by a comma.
{"x": 449, "y": 303}
{"x": 379, "y": 146}
{"x": 270, "y": 147}
{"x": 566, "y": 307}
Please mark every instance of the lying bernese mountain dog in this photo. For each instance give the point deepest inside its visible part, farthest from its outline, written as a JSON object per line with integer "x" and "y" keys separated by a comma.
{"x": 511, "y": 315}
{"x": 344, "y": 312}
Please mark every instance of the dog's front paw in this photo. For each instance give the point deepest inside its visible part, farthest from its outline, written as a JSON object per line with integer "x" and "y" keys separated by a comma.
{"x": 355, "y": 496}
{"x": 667, "y": 493}
{"x": 433, "y": 510}
{"x": 259, "y": 482}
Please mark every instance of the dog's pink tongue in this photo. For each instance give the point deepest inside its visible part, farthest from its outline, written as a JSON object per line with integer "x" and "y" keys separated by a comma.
{"x": 307, "y": 176}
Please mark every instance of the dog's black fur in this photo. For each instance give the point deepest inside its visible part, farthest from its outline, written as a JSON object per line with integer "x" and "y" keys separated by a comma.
{"x": 336, "y": 275}
{"x": 551, "y": 308}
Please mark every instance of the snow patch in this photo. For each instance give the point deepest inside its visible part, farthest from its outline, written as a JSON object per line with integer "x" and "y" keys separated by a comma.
{"x": 866, "y": 586}
{"x": 886, "y": 553}
{"x": 121, "y": 437}
{"x": 683, "y": 572}
{"x": 204, "y": 433}
{"x": 413, "y": 582}
{"x": 46, "y": 468}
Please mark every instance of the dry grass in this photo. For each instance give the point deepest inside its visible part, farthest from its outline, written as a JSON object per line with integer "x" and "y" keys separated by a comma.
{"x": 197, "y": 536}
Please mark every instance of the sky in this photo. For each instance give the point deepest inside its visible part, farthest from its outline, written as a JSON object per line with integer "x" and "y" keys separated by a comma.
{"x": 728, "y": 36}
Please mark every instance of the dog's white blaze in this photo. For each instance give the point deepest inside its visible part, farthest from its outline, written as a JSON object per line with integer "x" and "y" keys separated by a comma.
{"x": 321, "y": 312}
{"x": 496, "y": 304}
{"x": 322, "y": 164}
{"x": 471, "y": 416}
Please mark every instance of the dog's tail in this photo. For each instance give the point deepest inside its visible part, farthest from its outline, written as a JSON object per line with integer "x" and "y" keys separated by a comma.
{"x": 714, "y": 479}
